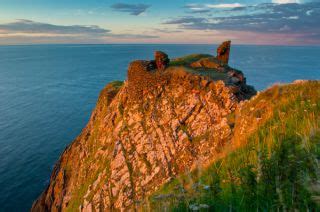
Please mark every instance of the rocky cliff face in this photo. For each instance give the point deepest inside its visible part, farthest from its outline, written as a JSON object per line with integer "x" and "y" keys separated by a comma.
{"x": 163, "y": 121}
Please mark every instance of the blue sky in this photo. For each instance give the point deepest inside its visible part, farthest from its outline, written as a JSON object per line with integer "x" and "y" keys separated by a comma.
{"x": 274, "y": 22}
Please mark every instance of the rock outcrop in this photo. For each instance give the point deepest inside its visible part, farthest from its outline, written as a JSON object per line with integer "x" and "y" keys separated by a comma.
{"x": 159, "y": 123}
{"x": 217, "y": 68}
{"x": 209, "y": 62}
{"x": 223, "y": 52}
{"x": 162, "y": 60}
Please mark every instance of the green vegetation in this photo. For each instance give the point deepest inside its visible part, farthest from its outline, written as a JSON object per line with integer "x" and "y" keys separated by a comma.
{"x": 275, "y": 167}
{"x": 109, "y": 92}
{"x": 187, "y": 60}
{"x": 211, "y": 73}
{"x": 116, "y": 84}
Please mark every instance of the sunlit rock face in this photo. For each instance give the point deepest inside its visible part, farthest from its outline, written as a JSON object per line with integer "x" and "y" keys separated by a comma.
{"x": 163, "y": 121}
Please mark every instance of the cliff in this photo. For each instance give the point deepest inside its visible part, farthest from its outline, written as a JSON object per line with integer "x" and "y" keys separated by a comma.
{"x": 167, "y": 119}
{"x": 272, "y": 164}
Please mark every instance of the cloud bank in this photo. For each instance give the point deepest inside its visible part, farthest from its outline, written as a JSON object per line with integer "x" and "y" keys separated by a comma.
{"x": 28, "y": 31}
{"x": 286, "y": 1}
{"x": 205, "y": 8}
{"x": 282, "y": 22}
{"x": 298, "y": 20}
{"x": 132, "y": 9}
{"x": 28, "y": 26}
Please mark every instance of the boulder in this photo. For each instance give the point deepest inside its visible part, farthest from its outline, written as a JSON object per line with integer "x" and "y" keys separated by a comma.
{"x": 162, "y": 60}
{"x": 223, "y": 52}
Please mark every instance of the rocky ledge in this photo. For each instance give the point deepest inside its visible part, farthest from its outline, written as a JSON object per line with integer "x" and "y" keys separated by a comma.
{"x": 167, "y": 118}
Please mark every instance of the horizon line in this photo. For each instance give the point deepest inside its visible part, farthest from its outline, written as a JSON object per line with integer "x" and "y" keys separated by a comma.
{"x": 93, "y": 44}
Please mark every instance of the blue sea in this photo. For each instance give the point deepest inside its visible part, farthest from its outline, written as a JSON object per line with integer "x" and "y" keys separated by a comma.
{"x": 47, "y": 93}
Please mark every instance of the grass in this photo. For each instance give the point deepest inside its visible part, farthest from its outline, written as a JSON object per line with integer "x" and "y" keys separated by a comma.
{"x": 274, "y": 167}
{"x": 211, "y": 73}
{"x": 187, "y": 60}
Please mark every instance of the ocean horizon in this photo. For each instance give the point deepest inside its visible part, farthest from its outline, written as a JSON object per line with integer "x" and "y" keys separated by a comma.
{"x": 47, "y": 94}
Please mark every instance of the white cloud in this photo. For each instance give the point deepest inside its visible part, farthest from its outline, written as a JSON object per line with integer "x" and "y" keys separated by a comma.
{"x": 293, "y": 17}
{"x": 233, "y": 5}
{"x": 309, "y": 12}
{"x": 286, "y": 1}
{"x": 205, "y": 8}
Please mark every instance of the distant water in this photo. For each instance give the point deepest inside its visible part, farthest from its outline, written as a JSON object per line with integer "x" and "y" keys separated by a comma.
{"x": 47, "y": 93}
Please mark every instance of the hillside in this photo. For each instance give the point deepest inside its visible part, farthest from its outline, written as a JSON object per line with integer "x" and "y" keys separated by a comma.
{"x": 169, "y": 124}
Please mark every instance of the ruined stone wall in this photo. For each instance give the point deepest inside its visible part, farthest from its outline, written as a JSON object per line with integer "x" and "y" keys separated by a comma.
{"x": 223, "y": 52}
{"x": 143, "y": 78}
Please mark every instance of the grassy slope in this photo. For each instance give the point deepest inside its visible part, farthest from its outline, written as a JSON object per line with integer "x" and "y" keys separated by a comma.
{"x": 275, "y": 165}
{"x": 187, "y": 60}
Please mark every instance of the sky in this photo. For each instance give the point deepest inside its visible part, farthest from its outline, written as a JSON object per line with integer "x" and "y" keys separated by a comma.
{"x": 261, "y": 22}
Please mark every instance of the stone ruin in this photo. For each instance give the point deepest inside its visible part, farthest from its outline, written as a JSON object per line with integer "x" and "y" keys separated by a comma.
{"x": 162, "y": 60}
{"x": 144, "y": 75}
{"x": 223, "y": 52}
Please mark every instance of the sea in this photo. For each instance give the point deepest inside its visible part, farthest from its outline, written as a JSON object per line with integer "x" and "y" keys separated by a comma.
{"x": 47, "y": 93}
